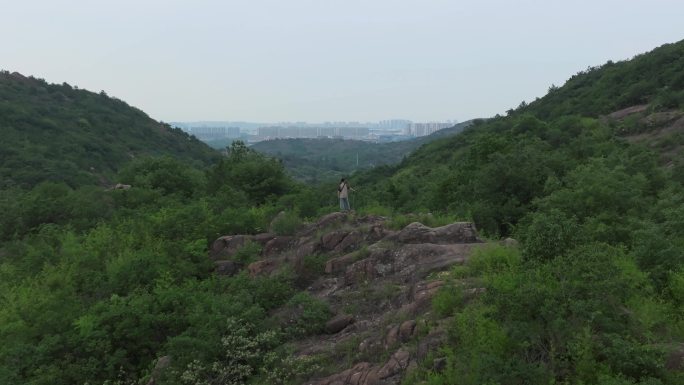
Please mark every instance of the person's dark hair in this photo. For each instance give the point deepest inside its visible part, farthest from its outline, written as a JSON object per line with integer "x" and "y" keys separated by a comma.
{"x": 341, "y": 180}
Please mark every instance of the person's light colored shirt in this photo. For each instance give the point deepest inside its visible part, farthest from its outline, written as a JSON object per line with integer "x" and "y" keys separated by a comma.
{"x": 344, "y": 190}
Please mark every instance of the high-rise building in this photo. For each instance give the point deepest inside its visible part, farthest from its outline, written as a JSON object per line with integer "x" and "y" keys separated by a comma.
{"x": 213, "y": 132}
{"x": 422, "y": 129}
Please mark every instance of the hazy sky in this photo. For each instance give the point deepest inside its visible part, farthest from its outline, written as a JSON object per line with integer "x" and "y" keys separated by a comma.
{"x": 320, "y": 60}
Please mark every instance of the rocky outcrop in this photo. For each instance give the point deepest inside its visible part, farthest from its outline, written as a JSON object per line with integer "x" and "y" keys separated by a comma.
{"x": 373, "y": 275}
{"x": 277, "y": 245}
{"x": 338, "y": 323}
{"x": 404, "y": 263}
{"x": 264, "y": 267}
{"x": 365, "y": 373}
{"x": 226, "y": 246}
{"x": 227, "y": 268}
{"x": 460, "y": 232}
{"x": 621, "y": 114}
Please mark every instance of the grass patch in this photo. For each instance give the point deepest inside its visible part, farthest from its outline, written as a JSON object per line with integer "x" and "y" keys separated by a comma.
{"x": 248, "y": 253}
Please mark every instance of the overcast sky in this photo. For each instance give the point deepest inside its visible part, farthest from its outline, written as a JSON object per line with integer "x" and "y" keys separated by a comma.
{"x": 322, "y": 60}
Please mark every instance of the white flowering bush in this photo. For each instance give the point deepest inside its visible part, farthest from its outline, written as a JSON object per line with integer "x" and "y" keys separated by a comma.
{"x": 245, "y": 352}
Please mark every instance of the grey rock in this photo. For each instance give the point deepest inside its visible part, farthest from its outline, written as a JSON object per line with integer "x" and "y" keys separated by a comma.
{"x": 338, "y": 323}
{"x": 227, "y": 268}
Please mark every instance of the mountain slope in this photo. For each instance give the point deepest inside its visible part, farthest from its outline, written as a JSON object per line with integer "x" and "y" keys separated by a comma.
{"x": 496, "y": 169}
{"x": 60, "y": 133}
{"x": 655, "y": 78}
{"x": 595, "y": 202}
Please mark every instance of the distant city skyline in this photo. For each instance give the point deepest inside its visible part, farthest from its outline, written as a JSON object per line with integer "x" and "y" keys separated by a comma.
{"x": 389, "y": 129}
{"x": 255, "y": 131}
{"x": 307, "y": 60}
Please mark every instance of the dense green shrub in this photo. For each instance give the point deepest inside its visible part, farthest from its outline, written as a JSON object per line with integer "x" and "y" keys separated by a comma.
{"x": 310, "y": 315}
{"x": 286, "y": 223}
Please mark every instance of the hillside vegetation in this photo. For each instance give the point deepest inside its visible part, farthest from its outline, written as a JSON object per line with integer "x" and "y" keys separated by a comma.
{"x": 597, "y": 211}
{"x": 316, "y": 160}
{"x": 233, "y": 273}
{"x": 60, "y": 133}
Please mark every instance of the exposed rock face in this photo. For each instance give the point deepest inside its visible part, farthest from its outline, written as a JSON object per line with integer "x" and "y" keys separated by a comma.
{"x": 365, "y": 373}
{"x": 405, "y": 262}
{"x": 460, "y": 232}
{"x": 331, "y": 219}
{"x": 228, "y": 268}
{"x": 330, "y": 240}
{"x": 338, "y": 323}
{"x": 661, "y": 118}
{"x": 339, "y": 264}
{"x": 263, "y": 267}
{"x": 621, "y": 114}
{"x": 372, "y": 275}
{"x": 277, "y": 245}
{"x": 263, "y": 238}
{"x": 226, "y": 246}
{"x": 406, "y": 330}
{"x": 351, "y": 241}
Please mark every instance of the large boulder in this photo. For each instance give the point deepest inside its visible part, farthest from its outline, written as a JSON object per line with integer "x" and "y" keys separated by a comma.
{"x": 339, "y": 264}
{"x": 331, "y": 219}
{"x": 329, "y": 241}
{"x": 277, "y": 245}
{"x": 351, "y": 241}
{"x": 263, "y": 238}
{"x": 338, "y": 323}
{"x": 263, "y": 267}
{"x": 227, "y": 268}
{"x": 226, "y": 246}
{"x": 459, "y": 232}
{"x": 406, "y": 330}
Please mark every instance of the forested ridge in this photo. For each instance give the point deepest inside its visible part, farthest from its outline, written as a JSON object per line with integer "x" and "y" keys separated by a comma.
{"x": 594, "y": 294}
{"x": 62, "y": 133}
{"x": 97, "y": 285}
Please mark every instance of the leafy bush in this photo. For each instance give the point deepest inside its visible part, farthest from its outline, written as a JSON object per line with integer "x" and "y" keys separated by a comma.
{"x": 447, "y": 300}
{"x": 286, "y": 223}
{"x": 243, "y": 349}
{"x": 549, "y": 235}
{"x": 248, "y": 253}
{"x": 493, "y": 259}
{"x": 310, "y": 315}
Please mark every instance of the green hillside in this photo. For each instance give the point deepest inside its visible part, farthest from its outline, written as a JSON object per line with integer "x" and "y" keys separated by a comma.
{"x": 60, "y": 133}
{"x": 228, "y": 274}
{"x": 316, "y": 160}
{"x": 655, "y": 78}
{"x": 590, "y": 180}
{"x": 496, "y": 169}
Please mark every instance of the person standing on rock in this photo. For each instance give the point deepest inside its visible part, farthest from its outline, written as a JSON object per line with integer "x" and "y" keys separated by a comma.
{"x": 343, "y": 194}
